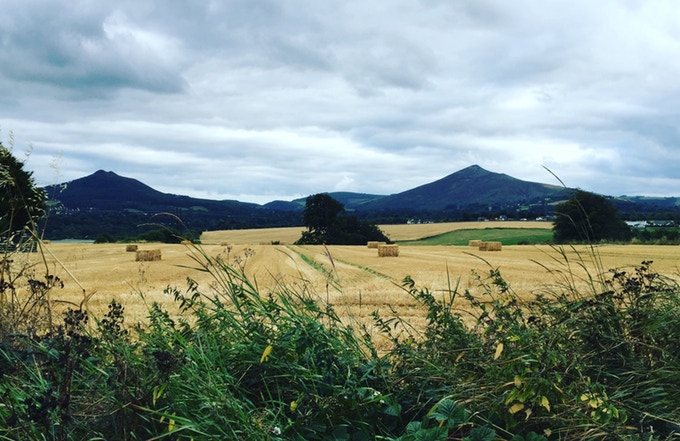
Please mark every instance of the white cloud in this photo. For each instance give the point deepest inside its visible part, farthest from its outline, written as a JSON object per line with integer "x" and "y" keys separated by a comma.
{"x": 345, "y": 184}
{"x": 264, "y": 99}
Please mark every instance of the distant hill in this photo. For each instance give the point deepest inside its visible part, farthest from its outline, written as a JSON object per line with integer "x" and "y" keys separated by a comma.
{"x": 105, "y": 202}
{"x": 105, "y": 190}
{"x": 470, "y": 188}
{"x": 350, "y": 200}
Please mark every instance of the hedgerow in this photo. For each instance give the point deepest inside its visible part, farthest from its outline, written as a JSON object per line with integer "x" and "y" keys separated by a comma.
{"x": 239, "y": 363}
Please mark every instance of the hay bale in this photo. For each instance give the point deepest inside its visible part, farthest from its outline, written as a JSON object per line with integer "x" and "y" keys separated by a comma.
{"x": 374, "y": 244}
{"x": 148, "y": 255}
{"x": 385, "y": 250}
{"x": 224, "y": 244}
{"x": 47, "y": 242}
{"x": 474, "y": 243}
{"x": 495, "y": 246}
{"x": 490, "y": 246}
{"x": 130, "y": 248}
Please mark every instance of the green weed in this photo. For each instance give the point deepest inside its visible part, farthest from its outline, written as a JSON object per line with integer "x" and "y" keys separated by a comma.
{"x": 241, "y": 363}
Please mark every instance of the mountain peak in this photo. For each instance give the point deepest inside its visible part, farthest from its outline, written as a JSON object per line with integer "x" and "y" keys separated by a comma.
{"x": 472, "y": 186}
{"x": 472, "y": 167}
{"x": 473, "y": 170}
{"x": 104, "y": 190}
{"x": 100, "y": 173}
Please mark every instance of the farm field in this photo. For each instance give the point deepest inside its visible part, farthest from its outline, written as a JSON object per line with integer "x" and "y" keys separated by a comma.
{"x": 354, "y": 278}
{"x": 401, "y": 232}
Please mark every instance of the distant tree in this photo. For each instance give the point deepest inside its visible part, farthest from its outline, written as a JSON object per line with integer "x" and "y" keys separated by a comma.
{"x": 163, "y": 235}
{"x": 321, "y": 212}
{"x": 588, "y": 217}
{"x": 104, "y": 238}
{"x": 22, "y": 203}
{"x": 327, "y": 223}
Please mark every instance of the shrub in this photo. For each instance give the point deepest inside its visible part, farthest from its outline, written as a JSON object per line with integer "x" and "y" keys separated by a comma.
{"x": 238, "y": 363}
{"x": 22, "y": 203}
{"x": 600, "y": 366}
{"x": 104, "y": 238}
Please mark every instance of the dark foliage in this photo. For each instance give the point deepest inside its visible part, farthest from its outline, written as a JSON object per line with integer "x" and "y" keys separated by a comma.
{"x": 21, "y": 202}
{"x": 327, "y": 223}
{"x": 321, "y": 213}
{"x": 238, "y": 364}
{"x": 588, "y": 217}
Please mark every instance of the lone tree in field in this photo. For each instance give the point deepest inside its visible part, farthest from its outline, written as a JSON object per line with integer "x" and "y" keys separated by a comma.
{"x": 21, "y": 202}
{"x": 327, "y": 223}
{"x": 588, "y": 217}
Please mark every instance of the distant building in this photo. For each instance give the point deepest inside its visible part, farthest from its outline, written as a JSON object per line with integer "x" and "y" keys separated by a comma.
{"x": 661, "y": 223}
{"x": 650, "y": 223}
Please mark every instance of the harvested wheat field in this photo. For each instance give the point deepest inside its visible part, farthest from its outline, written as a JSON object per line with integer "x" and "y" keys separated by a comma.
{"x": 353, "y": 278}
{"x": 394, "y": 232}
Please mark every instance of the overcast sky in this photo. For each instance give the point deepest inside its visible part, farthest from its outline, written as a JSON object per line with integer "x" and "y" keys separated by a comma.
{"x": 258, "y": 100}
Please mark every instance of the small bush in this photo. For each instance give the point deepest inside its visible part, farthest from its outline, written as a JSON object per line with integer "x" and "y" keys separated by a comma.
{"x": 104, "y": 238}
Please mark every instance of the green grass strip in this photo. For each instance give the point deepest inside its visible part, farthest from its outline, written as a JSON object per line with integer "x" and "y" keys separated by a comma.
{"x": 311, "y": 262}
{"x": 507, "y": 236}
{"x": 365, "y": 268}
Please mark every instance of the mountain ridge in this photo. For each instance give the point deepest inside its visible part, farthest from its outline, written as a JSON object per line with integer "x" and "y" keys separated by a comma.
{"x": 471, "y": 186}
{"x": 130, "y": 191}
{"x": 106, "y": 201}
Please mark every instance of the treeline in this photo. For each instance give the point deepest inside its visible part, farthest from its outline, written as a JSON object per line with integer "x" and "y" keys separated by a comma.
{"x": 161, "y": 235}
{"x": 122, "y": 225}
{"x": 657, "y": 236}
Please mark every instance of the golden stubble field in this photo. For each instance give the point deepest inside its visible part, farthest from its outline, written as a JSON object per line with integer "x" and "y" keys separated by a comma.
{"x": 354, "y": 278}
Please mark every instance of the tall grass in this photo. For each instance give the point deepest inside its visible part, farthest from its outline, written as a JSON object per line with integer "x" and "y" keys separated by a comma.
{"x": 592, "y": 366}
{"x": 241, "y": 363}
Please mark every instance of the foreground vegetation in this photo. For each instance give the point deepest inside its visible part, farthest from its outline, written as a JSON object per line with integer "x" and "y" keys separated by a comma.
{"x": 241, "y": 364}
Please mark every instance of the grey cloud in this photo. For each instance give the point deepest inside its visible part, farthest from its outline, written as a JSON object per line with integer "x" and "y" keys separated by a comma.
{"x": 291, "y": 97}
{"x": 86, "y": 51}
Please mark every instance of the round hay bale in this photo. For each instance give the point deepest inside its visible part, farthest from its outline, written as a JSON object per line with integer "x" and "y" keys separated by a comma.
{"x": 131, "y": 248}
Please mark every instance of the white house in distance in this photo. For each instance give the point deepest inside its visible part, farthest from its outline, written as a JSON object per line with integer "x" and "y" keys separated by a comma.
{"x": 650, "y": 223}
